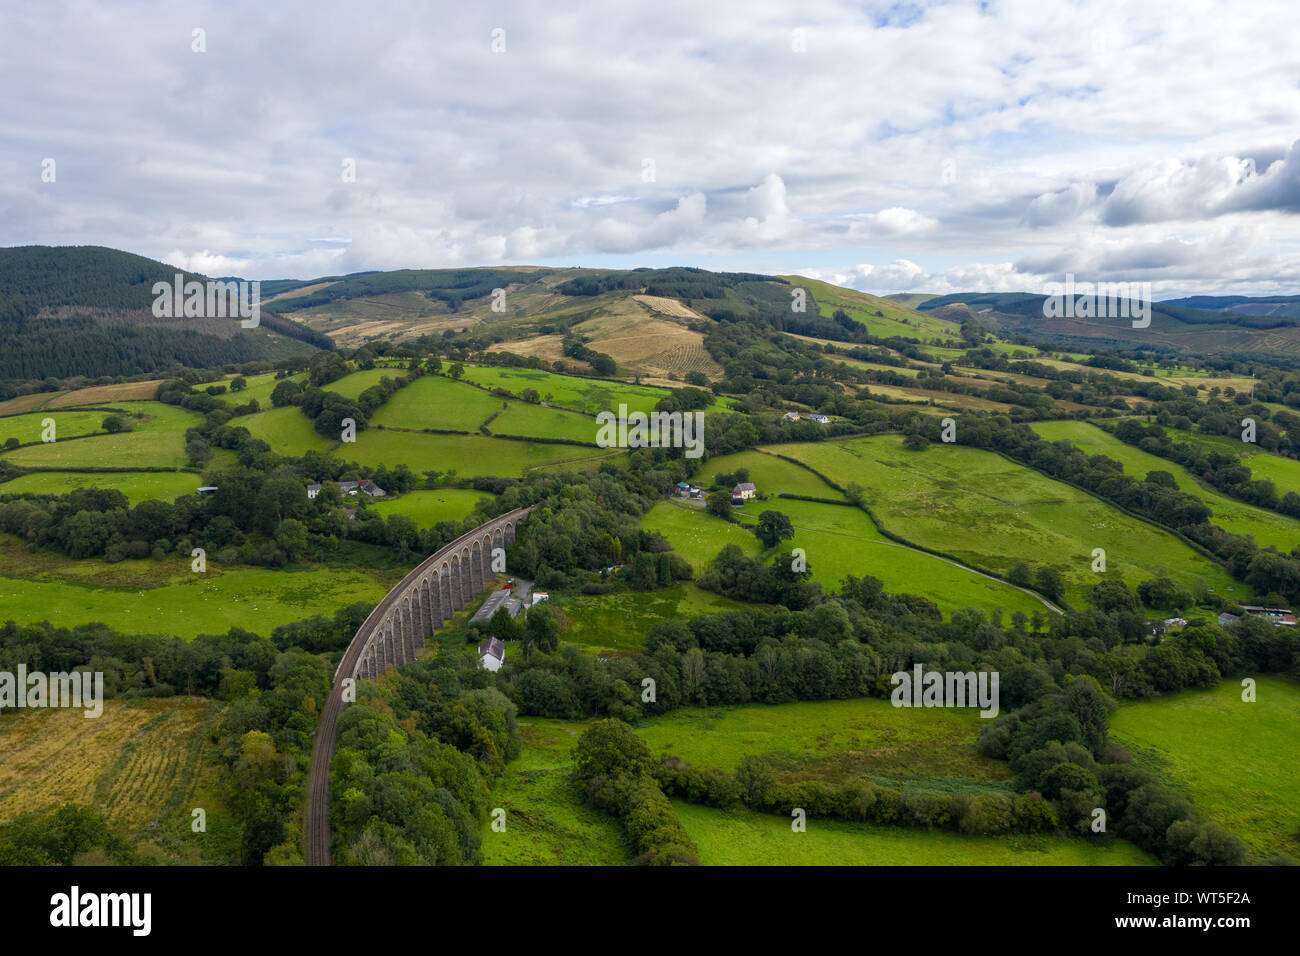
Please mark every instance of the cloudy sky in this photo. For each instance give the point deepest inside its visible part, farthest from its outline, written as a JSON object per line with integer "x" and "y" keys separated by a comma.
{"x": 891, "y": 147}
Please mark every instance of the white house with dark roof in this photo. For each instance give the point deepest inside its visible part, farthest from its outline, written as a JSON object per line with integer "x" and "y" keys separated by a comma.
{"x": 491, "y": 654}
{"x": 313, "y": 491}
{"x": 744, "y": 490}
{"x": 819, "y": 418}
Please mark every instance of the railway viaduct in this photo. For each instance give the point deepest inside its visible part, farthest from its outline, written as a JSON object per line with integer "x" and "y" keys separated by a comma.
{"x": 393, "y": 635}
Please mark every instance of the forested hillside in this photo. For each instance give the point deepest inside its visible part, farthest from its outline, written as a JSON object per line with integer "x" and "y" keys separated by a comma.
{"x": 86, "y": 311}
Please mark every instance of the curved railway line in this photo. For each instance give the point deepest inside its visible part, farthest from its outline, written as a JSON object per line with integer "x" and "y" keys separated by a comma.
{"x": 392, "y": 635}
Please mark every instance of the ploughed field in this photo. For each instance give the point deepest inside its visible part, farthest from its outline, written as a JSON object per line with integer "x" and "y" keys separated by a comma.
{"x": 141, "y": 764}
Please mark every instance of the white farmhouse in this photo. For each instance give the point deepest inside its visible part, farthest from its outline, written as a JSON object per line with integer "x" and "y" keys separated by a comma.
{"x": 491, "y": 654}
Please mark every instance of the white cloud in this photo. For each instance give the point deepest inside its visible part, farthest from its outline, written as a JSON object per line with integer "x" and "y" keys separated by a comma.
{"x": 1144, "y": 137}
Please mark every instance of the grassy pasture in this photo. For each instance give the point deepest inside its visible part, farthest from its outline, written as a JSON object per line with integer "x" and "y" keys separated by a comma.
{"x": 835, "y": 740}
{"x": 893, "y": 319}
{"x": 533, "y": 421}
{"x": 1235, "y": 760}
{"x": 770, "y": 474}
{"x": 697, "y": 535}
{"x": 746, "y": 838}
{"x": 67, "y": 424}
{"x": 260, "y": 387}
{"x": 138, "y": 486}
{"x": 991, "y": 513}
{"x": 1267, "y": 527}
{"x": 157, "y": 441}
{"x": 433, "y": 401}
{"x": 166, "y": 597}
{"x": 569, "y": 391}
{"x": 840, "y": 540}
{"x": 547, "y": 820}
{"x": 351, "y": 386}
{"x": 427, "y": 508}
{"x": 286, "y": 429}
{"x": 618, "y": 622}
{"x": 1283, "y": 472}
{"x": 91, "y": 395}
{"x": 466, "y": 454}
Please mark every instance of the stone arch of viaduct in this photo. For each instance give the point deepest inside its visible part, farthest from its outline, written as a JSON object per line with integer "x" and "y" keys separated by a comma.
{"x": 392, "y": 635}
{"x": 443, "y": 584}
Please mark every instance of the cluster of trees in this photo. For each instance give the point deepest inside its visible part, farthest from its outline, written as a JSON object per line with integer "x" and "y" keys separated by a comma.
{"x": 416, "y": 759}
{"x": 617, "y": 773}
{"x": 1228, "y": 473}
{"x": 328, "y": 409}
{"x": 741, "y": 578}
{"x": 1058, "y": 747}
{"x": 600, "y": 363}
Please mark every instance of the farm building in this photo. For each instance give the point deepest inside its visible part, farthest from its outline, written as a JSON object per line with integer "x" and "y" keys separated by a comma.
{"x": 819, "y": 419}
{"x": 500, "y": 599}
{"x": 1281, "y": 617}
{"x": 745, "y": 489}
{"x": 491, "y": 654}
{"x": 790, "y": 417}
{"x": 365, "y": 485}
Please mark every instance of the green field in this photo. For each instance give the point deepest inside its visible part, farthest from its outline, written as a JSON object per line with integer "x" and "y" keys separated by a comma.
{"x": 618, "y": 622}
{"x": 433, "y": 401}
{"x": 1236, "y": 760}
{"x": 286, "y": 429}
{"x": 158, "y": 441}
{"x": 166, "y": 597}
{"x": 465, "y": 454}
{"x": 547, "y": 820}
{"x": 351, "y": 386}
{"x": 746, "y": 838}
{"x": 427, "y": 508}
{"x": 835, "y": 740}
{"x": 991, "y": 513}
{"x": 138, "y": 486}
{"x": 1283, "y": 472}
{"x": 259, "y": 387}
{"x": 697, "y": 535}
{"x": 569, "y": 391}
{"x": 770, "y": 474}
{"x": 67, "y": 424}
{"x": 1267, "y": 527}
{"x": 839, "y": 540}
{"x": 893, "y": 319}
{"x": 533, "y": 421}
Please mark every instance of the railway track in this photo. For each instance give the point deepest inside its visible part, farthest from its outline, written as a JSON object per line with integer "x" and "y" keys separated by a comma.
{"x": 316, "y": 836}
